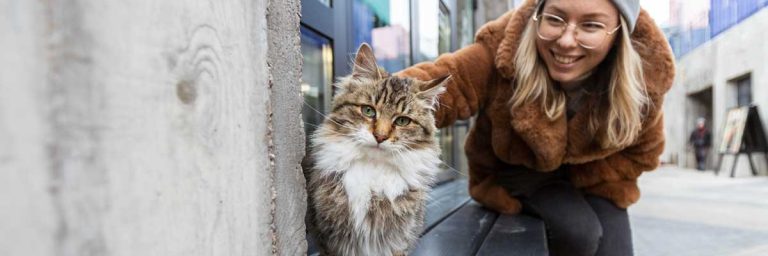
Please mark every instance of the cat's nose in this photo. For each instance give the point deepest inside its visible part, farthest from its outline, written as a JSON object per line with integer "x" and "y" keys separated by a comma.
{"x": 381, "y": 138}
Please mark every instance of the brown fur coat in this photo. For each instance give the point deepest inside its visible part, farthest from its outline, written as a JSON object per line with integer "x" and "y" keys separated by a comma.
{"x": 482, "y": 84}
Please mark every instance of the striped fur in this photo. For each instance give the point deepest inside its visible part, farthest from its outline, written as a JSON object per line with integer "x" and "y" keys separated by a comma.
{"x": 367, "y": 195}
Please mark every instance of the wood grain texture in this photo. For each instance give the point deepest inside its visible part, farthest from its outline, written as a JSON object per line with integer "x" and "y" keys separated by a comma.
{"x": 162, "y": 172}
{"x": 145, "y": 129}
{"x": 27, "y": 214}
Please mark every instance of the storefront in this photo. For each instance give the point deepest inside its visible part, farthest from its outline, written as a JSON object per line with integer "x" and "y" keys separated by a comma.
{"x": 401, "y": 32}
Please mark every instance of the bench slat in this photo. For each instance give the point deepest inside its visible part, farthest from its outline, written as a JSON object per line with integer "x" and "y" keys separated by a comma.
{"x": 444, "y": 200}
{"x": 462, "y": 233}
{"x": 515, "y": 235}
{"x": 456, "y": 225}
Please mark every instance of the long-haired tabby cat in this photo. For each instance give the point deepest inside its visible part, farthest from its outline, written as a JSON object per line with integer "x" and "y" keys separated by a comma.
{"x": 375, "y": 159}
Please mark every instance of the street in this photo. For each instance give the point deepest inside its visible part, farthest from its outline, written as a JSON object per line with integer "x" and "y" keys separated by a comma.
{"x": 685, "y": 212}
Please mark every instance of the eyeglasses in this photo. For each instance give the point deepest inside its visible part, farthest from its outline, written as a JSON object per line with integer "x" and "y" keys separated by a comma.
{"x": 590, "y": 34}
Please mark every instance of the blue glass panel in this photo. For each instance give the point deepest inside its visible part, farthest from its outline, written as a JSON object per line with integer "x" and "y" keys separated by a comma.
{"x": 385, "y": 25}
{"x": 316, "y": 77}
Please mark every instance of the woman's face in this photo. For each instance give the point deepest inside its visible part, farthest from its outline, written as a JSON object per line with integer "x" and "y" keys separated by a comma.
{"x": 567, "y": 60}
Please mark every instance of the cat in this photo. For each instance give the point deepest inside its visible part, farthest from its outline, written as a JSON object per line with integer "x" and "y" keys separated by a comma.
{"x": 375, "y": 159}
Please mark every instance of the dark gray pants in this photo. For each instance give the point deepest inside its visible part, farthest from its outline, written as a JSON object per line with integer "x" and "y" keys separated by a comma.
{"x": 579, "y": 224}
{"x": 701, "y": 158}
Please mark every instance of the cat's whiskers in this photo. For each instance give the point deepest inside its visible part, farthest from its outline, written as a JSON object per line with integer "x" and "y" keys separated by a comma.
{"x": 454, "y": 170}
{"x": 325, "y": 129}
{"x": 398, "y": 152}
{"x": 349, "y": 138}
{"x": 326, "y": 116}
{"x": 442, "y": 162}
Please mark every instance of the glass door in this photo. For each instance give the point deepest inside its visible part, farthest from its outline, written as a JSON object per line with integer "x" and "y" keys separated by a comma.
{"x": 323, "y": 47}
{"x": 323, "y": 44}
{"x": 316, "y": 78}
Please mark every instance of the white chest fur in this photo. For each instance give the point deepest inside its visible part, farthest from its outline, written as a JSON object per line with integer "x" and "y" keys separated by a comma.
{"x": 371, "y": 171}
{"x": 363, "y": 180}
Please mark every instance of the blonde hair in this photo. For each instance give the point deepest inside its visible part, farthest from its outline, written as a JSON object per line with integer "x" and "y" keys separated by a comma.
{"x": 617, "y": 126}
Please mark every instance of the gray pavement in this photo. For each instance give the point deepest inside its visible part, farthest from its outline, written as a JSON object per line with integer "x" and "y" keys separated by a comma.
{"x": 684, "y": 212}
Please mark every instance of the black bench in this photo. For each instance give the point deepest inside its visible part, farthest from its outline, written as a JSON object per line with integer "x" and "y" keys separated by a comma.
{"x": 457, "y": 225}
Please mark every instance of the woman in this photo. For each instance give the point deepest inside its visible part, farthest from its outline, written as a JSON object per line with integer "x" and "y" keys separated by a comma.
{"x": 568, "y": 97}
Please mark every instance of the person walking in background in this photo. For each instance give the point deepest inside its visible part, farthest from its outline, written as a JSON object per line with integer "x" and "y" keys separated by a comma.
{"x": 701, "y": 140}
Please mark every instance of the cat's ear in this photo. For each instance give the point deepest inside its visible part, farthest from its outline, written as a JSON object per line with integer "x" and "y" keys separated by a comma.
{"x": 365, "y": 64}
{"x": 432, "y": 89}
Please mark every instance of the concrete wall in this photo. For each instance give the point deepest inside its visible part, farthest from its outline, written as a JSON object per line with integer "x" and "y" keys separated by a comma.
{"x": 150, "y": 128}
{"x": 733, "y": 53}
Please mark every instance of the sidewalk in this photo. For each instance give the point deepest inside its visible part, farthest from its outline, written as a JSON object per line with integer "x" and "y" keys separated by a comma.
{"x": 685, "y": 212}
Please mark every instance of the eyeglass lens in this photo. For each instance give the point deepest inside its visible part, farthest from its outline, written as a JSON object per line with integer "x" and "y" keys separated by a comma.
{"x": 588, "y": 34}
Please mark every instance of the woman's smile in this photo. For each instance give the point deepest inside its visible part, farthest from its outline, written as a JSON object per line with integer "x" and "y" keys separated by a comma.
{"x": 565, "y": 61}
{"x": 566, "y": 68}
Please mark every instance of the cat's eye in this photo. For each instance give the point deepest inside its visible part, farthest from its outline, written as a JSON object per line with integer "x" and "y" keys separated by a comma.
{"x": 368, "y": 111}
{"x": 402, "y": 121}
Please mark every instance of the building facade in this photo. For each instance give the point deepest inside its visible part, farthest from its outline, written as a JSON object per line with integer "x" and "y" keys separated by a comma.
{"x": 402, "y": 33}
{"x": 727, "y": 70}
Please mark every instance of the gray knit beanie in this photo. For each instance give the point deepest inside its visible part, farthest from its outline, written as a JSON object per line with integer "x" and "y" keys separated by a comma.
{"x": 630, "y": 9}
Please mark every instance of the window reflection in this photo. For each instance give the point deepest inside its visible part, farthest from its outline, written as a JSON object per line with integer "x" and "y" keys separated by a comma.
{"x": 385, "y": 25}
{"x": 464, "y": 23}
{"x": 428, "y": 36}
{"x": 444, "y": 31}
{"x": 434, "y": 38}
{"x": 316, "y": 77}
{"x": 434, "y": 29}
{"x": 326, "y": 2}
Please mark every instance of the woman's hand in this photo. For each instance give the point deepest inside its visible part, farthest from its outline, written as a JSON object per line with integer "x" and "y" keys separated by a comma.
{"x": 493, "y": 196}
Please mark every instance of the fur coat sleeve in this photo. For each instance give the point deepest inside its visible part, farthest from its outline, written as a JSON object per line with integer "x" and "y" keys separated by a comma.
{"x": 471, "y": 69}
{"x": 615, "y": 176}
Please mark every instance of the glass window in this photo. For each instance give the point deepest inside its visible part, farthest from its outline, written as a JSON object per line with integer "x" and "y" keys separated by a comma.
{"x": 464, "y": 23}
{"x": 428, "y": 29}
{"x": 434, "y": 30}
{"x": 444, "y": 30}
{"x": 386, "y": 26}
{"x": 744, "y": 91}
{"x": 316, "y": 77}
{"x": 446, "y": 145}
{"x": 326, "y": 2}
{"x": 434, "y": 38}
